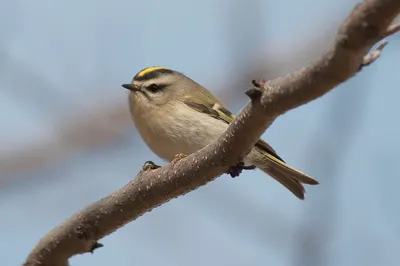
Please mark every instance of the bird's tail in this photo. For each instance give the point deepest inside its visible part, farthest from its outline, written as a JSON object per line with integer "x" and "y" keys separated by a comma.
{"x": 288, "y": 176}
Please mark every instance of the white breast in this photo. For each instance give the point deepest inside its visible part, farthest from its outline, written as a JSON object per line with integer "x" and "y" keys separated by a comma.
{"x": 184, "y": 130}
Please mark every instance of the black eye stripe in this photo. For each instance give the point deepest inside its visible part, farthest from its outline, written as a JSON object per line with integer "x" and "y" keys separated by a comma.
{"x": 155, "y": 87}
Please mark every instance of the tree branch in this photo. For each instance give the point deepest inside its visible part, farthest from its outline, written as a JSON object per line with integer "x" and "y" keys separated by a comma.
{"x": 366, "y": 25}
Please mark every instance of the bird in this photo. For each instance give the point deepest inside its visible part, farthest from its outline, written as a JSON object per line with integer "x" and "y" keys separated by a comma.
{"x": 176, "y": 116}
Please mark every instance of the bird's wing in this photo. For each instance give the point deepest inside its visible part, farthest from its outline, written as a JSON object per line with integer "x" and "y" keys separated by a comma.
{"x": 218, "y": 111}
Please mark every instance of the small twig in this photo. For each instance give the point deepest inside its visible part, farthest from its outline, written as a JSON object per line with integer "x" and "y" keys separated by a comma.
{"x": 375, "y": 54}
{"x": 392, "y": 29}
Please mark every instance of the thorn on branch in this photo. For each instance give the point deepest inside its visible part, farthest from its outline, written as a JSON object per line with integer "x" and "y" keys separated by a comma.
{"x": 236, "y": 170}
{"x": 256, "y": 91}
{"x": 375, "y": 54}
{"x": 258, "y": 83}
{"x": 95, "y": 246}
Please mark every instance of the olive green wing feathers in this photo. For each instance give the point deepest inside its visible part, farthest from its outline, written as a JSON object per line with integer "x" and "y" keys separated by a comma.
{"x": 218, "y": 111}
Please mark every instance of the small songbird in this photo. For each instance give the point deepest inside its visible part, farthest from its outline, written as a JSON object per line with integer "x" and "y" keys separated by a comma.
{"x": 175, "y": 115}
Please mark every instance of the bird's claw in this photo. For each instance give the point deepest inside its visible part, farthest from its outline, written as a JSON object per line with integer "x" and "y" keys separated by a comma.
{"x": 236, "y": 170}
{"x": 150, "y": 165}
{"x": 177, "y": 158}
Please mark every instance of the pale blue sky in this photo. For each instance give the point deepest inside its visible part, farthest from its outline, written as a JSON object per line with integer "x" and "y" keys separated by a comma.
{"x": 56, "y": 57}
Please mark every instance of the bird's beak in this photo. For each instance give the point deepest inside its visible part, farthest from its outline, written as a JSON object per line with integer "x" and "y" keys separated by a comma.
{"x": 130, "y": 87}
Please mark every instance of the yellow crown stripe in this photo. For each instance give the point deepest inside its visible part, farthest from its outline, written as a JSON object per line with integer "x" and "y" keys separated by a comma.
{"x": 149, "y": 69}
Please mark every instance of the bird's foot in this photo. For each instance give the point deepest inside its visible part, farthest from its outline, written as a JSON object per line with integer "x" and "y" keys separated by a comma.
{"x": 177, "y": 158}
{"x": 150, "y": 165}
{"x": 236, "y": 170}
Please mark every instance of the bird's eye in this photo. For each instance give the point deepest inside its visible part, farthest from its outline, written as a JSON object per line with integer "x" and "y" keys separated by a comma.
{"x": 154, "y": 88}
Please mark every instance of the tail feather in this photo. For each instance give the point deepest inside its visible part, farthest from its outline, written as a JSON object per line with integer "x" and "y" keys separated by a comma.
{"x": 296, "y": 174}
{"x": 290, "y": 183}
{"x": 288, "y": 176}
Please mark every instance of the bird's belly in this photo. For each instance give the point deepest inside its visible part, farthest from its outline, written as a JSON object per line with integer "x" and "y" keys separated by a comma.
{"x": 181, "y": 135}
{"x": 166, "y": 146}
{"x": 170, "y": 148}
